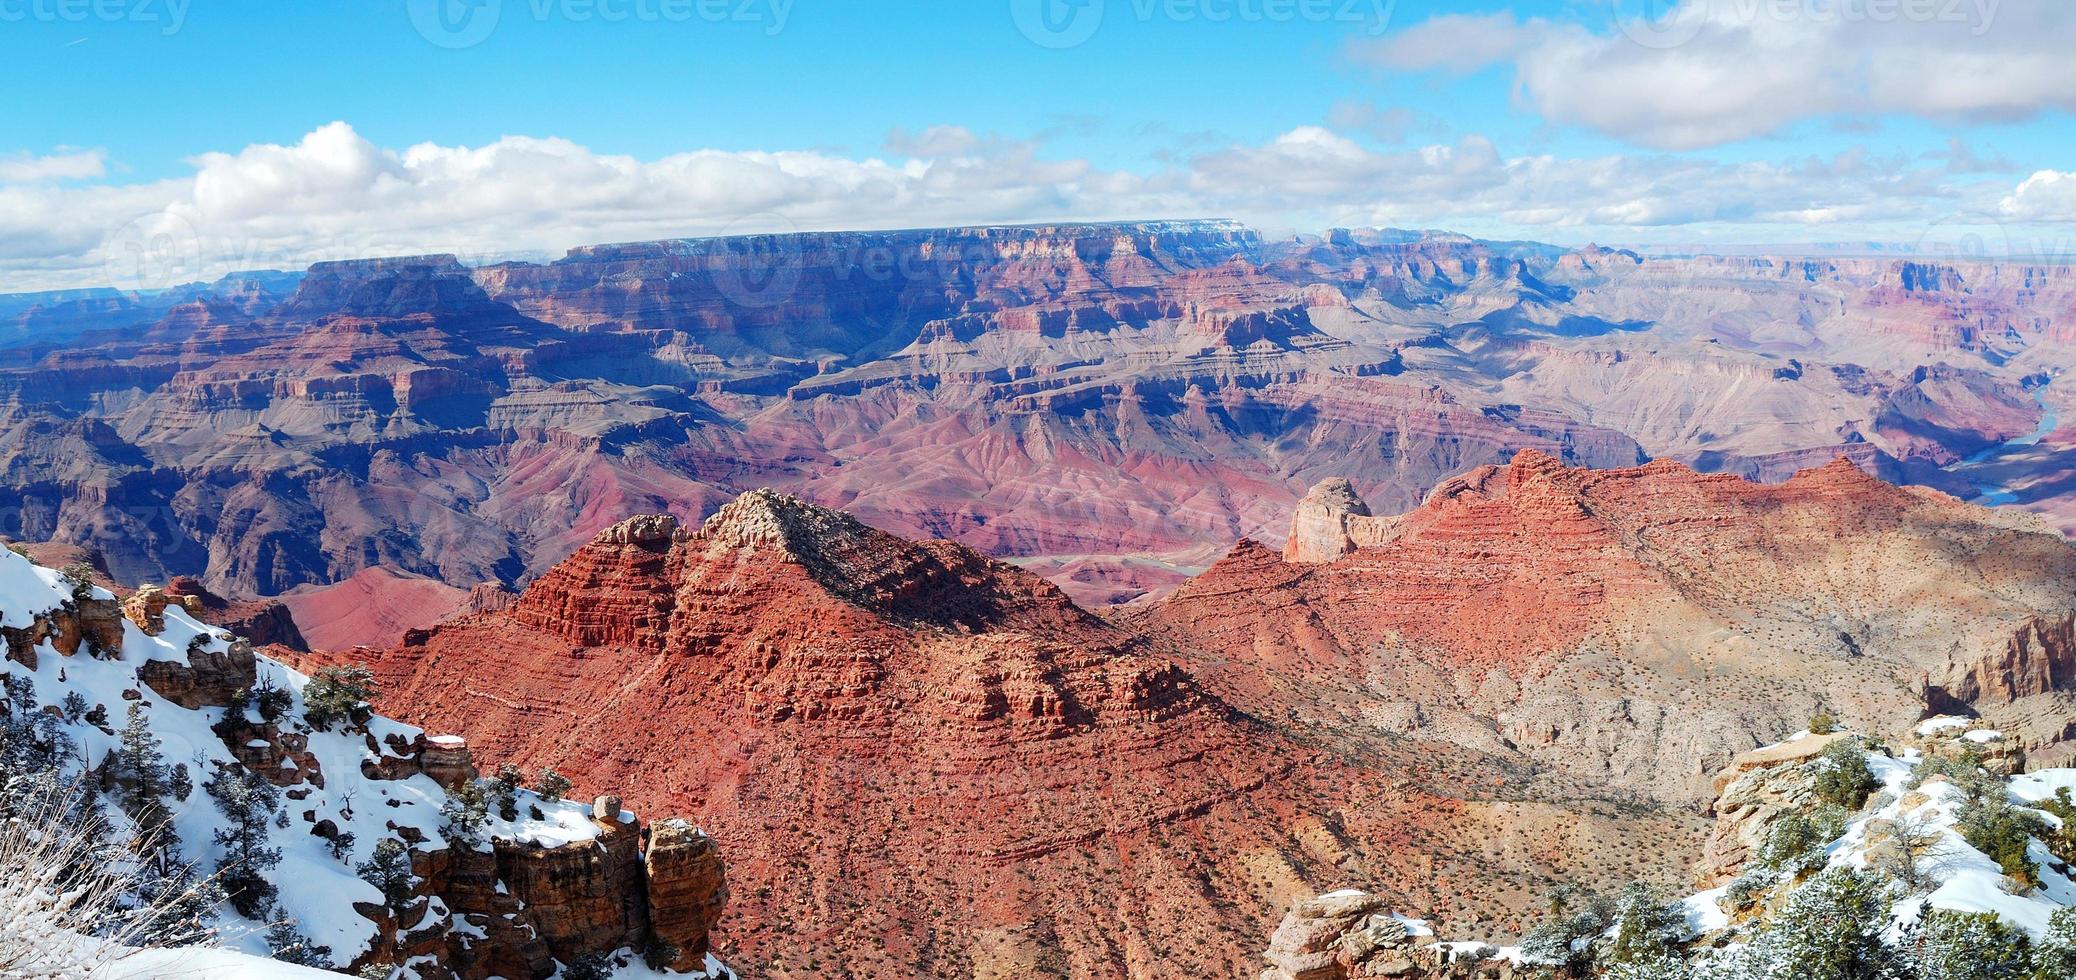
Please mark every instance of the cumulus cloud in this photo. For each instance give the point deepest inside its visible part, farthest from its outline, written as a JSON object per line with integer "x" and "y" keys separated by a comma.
{"x": 336, "y": 194}
{"x": 1715, "y": 71}
{"x": 2049, "y": 195}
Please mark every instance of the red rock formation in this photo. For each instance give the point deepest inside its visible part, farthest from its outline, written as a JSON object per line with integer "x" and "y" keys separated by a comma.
{"x": 921, "y": 762}
{"x": 372, "y": 608}
{"x": 1638, "y": 625}
{"x": 1067, "y": 393}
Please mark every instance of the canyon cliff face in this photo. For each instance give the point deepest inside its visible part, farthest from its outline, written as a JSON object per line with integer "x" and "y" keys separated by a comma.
{"x": 921, "y": 761}
{"x": 928, "y": 760}
{"x": 1110, "y": 404}
{"x": 1637, "y": 627}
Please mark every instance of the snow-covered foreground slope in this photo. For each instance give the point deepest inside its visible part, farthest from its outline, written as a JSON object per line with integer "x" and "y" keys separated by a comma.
{"x": 242, "y": 769}
{"x": 1821, "y": 869}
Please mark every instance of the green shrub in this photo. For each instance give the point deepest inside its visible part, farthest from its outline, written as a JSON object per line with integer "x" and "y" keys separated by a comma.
{"x": 1797, "y": 841}
{"x": 1843, "y": 777}
{"x": 1748, "y": 890}
{"x": 2062, "y": 840}
{"x": 2054, "y": 956}
{"x": 589, "y": 966}
{"x": 1951, "y": 945}
{"x": 2002, "y": 832}
{"x": 336, "y": 694}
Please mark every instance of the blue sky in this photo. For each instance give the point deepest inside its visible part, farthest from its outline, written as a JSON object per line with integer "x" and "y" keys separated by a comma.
{"x": 1532, "y": 119}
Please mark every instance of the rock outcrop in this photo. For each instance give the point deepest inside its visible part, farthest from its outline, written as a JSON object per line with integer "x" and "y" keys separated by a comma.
{"x": 146, "y": 607}
{"x": 209, "y": 677}
{"x": 1331, "y": 521}
{"x": 1342, "y": 935}
{"x": 1753, "y": 792}
{"x": 538, "y": 891}
{"x": 263, "y": 622}
{"x": 688, "y": 888}
{"x": 922, "y": 761}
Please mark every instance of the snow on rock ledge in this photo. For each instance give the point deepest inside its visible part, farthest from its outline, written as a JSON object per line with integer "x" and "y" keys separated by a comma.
{"x": 533, "y": 893}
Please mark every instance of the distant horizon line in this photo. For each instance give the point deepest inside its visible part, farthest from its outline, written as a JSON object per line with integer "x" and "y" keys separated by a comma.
{"x": 1832, "y": 249}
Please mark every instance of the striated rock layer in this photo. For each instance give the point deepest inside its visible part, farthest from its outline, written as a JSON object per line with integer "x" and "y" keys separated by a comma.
{"x": 922, "y": 762}
{"x": 1081, "y": 397}
{"x": 1637, "y": 627}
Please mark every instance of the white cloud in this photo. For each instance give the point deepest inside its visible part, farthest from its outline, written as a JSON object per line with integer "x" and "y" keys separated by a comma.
{"x": 1452, "y": 42}
{"x": 335, "y": 194}
{"x": 1717, "y": 71}
{"x": 2049, "y": 195}
{"x": 23, "y": 168}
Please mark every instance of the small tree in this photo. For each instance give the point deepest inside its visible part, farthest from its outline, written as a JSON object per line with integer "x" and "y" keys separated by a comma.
{"x": 1823, "y": 722}
{"x": 338, "y": 694}
{"x": 463, "y": 815}
{"x": 2002, "y": 831}
{"x": 180, "y": 784}
{"x": 658, "y": 953}
{"x": 271, "y": 699}
{"x": 506, "y": 789}
{"x": 75, "y": 707}
{"x": 341, "y": 845}
{"x": 1647, "y": 930}
{"x": 79, "y": 577}
{"x": 1556, "y": 942}
{"x": 551, "y": 785}
{"x": 1830, "y": 929}
{"x": 235, "y": 706}
{"x": 248, "y": 802}
{"x": 141, "y": 771}
{"x": 589, "y": 966}
{"x": 1914, "y": 846}
{"x": 2061, "y": 842}
{"x": 1796, "y": 842}
{"x": 287, "y": 943}
{"x": 389, "y": 870}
